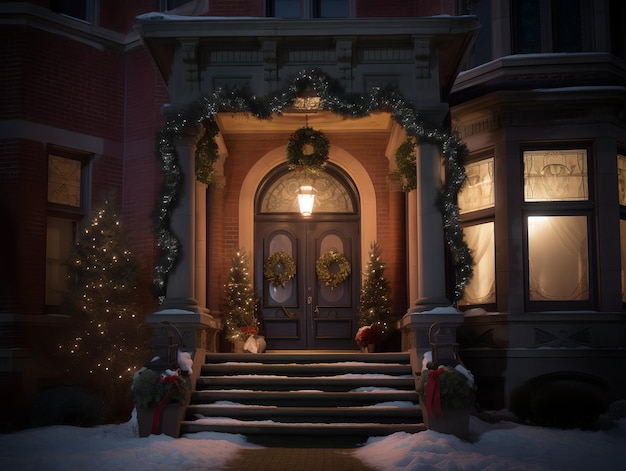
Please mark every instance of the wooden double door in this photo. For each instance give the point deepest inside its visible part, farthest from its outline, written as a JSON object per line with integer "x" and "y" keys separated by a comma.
{"x": 306, "y": 314}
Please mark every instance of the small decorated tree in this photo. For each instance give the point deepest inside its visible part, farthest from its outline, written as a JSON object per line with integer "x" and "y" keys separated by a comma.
{"x": 106, "y": 340}
{"x": 375, "y": 299}
{"x": 241, "y": 321}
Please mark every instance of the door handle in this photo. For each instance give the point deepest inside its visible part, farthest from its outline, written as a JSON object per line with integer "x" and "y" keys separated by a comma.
{"x": 309, "y": 300}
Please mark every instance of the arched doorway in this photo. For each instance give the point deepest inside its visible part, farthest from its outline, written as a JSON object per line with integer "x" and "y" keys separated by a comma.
{"x": 305, "y": 313}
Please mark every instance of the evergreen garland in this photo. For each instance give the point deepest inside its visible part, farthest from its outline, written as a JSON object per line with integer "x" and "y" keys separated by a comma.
{"x": 405, "y": 164}
{"x": 207, "y": 153}
{"x": 333, "y": 98}
{"x": 375, "y": 299}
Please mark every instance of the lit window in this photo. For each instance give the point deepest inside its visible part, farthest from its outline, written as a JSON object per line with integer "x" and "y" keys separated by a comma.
{"x": 482, "y": 287}
{"x": 559, "y": 175}
{"x": 66, "y": 188}
{"x": 476, "y": 203}
{"x": 477, "y": 192}
{"x": 558, "y": 258}
{"x": 558, "y": 218}
{"x": 621, "y": 181}
{"x": 64, "y": 177}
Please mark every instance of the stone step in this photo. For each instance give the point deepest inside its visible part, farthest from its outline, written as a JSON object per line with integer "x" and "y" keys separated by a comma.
{"x": 357, "y": 414}
{"x": 301, "y": 394}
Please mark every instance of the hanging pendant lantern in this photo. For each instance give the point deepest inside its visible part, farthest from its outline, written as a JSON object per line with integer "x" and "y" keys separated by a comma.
{"x": 306, "y": 199}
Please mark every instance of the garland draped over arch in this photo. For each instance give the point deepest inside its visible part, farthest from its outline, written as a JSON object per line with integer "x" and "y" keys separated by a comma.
{"x": 333, "y": 98}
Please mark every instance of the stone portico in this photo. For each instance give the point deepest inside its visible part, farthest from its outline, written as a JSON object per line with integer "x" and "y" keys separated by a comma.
{"x": 420, "y": 57}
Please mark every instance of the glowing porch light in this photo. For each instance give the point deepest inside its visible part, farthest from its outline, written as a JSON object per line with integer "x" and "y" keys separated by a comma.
{"x": 306, "y": 198}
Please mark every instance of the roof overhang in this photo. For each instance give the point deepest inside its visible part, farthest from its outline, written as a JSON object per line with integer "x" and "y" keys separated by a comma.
{"x": 421, "y": 56}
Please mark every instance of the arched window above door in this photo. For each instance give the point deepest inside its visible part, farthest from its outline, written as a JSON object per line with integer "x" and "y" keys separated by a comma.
{"x": 335, "y": 194}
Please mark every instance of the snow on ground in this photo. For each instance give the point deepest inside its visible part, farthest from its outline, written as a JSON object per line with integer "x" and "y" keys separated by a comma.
{"x": 493, "y": 447}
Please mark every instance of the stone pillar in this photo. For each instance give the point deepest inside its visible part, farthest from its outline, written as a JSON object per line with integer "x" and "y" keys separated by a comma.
{"x": 180, "y": 292}
{"x": 431, "y": 323}
{"x": 181, "y": 323}
{"x": 428, "y": 232}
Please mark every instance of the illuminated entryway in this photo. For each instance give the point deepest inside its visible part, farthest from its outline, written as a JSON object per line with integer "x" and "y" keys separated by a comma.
{"x": 309, "y": 312}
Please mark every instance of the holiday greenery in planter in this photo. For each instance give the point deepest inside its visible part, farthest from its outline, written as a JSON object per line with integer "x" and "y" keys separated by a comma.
{"x": 447, "y": 388}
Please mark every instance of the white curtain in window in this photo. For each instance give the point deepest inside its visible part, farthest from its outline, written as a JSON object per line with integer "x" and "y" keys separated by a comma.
{"x": 482, "y": 288}
{"x": 558, "y": 258}
{"x": 622, "y": 235}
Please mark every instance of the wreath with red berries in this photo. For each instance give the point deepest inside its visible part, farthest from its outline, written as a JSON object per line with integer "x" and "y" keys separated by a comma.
{"x": 307, "y": 150}
{"x": 329, "y": 278}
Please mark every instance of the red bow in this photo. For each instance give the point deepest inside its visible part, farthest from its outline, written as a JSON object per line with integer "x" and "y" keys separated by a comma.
{"x": 433, "y": 395}
{"x": 156, "y": 415}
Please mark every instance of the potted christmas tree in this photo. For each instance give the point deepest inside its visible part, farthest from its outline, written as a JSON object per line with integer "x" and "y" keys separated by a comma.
{"x": 374, "y": 302}
{"x": 241, "y": 320}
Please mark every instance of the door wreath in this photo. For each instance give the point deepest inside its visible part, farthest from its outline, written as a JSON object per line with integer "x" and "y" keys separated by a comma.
{"x": 279, "y": 269}
{"x": 322, "y": 268}
{"x": 307, "y": 150}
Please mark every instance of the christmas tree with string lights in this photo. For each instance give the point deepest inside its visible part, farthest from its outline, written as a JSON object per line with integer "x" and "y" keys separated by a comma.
{"x": 106, "y": 339}
{"x": 375, "y": 299}
{"x": 241, "y": 321}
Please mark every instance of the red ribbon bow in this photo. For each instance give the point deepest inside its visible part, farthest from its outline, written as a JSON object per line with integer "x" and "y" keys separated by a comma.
{"x": 433, "y": 395}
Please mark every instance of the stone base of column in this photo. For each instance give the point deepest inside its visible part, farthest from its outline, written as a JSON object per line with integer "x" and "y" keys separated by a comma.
{"x": 428, "y": 304}
{"x": 193, "y": 331}
{"x": 433, "y": 330}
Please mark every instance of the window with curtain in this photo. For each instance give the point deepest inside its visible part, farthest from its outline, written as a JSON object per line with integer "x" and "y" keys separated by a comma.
{"x": 558, "y": 216}
{"x": 621, "y": 181}
{"x": 66, "y": 193}
{"x": 476, "y": 204}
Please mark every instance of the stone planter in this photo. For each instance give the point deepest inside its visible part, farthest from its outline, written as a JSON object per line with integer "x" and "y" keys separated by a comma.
{"x": 166, "y": 422}
{"x": 452, "y": 421}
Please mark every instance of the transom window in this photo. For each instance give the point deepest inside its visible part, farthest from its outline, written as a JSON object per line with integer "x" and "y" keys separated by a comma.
{"x": 280, "y": 195}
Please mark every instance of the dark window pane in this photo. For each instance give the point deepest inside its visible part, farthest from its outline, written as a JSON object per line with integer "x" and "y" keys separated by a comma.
{"x": 566, "y": 26}
{"x": 481, "y": 51}
{"x": 73, "y": 8}
{"x": 331, "y": 9}
{"x": 617, "y": 9}
{"x": 285, "y": 8}
{"x": 526, "y": 26}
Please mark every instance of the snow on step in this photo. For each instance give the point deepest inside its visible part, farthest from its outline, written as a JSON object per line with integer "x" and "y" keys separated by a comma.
{"x": 287, "y": 394}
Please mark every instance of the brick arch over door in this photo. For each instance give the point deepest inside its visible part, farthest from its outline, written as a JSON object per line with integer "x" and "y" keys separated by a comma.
{"x": 339, "y": 157}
